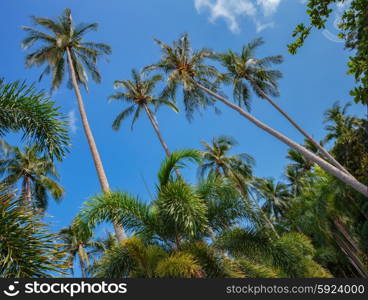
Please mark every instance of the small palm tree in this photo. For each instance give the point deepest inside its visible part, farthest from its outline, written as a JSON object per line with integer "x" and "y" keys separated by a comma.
{"x": 187, "y": 67}
{"x": 275, "y": 195}
{"x": 138, "y": 94}
{"x": 36, "y": 173}
{"x": 63, "y": 47}
{"x": 218, "y": 161}
{"x": 245, "y": 68}
{"x": 237, "y": 168}
{"x": 77, "y": 245}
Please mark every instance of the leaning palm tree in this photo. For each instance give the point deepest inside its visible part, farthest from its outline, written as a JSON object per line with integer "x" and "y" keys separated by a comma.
{"x": 36, "y": 173}
{"x": 246, "y": 68}
{"x": 187, "y": 68}
{"x": 24, "y": 109}
{"x": 63, "y": 47}
{"x": 138, "y": 93}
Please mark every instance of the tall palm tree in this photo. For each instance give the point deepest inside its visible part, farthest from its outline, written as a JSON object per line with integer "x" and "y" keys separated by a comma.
{"x": 23, "y": 108}
{"x": 138, "y": 94}
{"x": 63, "y": 46}
{"x": 187, "y": 67}
{"x": 246, "y": 68}
{"x": 37, "y": 175}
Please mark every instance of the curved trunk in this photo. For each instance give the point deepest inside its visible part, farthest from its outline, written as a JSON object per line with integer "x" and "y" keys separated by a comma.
{"x": 157, "y": 130}
{"x": 91, "y": 142}
{"x": 351, "y": 181}
{"x": 323, "y": 151}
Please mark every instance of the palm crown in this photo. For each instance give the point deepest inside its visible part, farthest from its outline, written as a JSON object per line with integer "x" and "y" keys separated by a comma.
{"x": 138, "y": 92}
{"x": 184, "y": 66}
{"x": 244, "y": 67}
{"x": 37, "y": 171}
{"x": 218, "y": 161}
{"x": 62, "y": 35}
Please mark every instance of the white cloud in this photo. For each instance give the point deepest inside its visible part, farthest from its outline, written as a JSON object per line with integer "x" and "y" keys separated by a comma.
{"x": 233, "y": 10}
{"x": 72, "y": 119}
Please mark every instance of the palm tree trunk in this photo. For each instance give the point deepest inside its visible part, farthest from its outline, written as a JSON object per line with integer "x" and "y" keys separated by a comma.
{"x": 81, "y": 261}
{"x": 157, "y": 130}
{"x": 351, "y": 181}
{"x": 119, "y": 231}
{"x": 323, "y": 151}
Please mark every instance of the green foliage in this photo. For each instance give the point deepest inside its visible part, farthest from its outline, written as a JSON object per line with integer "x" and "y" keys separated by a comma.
{"x": 138, "y": 94}
{"x": 182, "y": 208}
{"x": 27, "y": 248}
{"x": 183, "y": 66}
{"x": 63, "y": 34}
{"x": 23, "y": 108}
{"x": 179, "y": 265}
{"x": 244, "y": 69}
{"x": 37, "y": 174}
{"x": 353, "y": 30}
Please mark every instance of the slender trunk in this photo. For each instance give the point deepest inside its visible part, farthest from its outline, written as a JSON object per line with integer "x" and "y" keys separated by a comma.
{"x": 81, "y": 261}
{"x": 157, "y": 130}
{"x": 323, "y": 151}
{"x": 91, "y": 141}
{"x": 351, "y": 181}
{"x": 27, "y": 192}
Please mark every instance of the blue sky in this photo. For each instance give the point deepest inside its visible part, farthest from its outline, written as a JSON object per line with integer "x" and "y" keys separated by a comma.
{"x": 313, "y": 80}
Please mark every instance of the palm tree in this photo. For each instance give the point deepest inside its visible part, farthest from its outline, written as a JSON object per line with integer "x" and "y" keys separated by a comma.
{"x": 218, "y": 161}
{"x": 23, "y": 108}
{"x": 27, "y": 248}
{"x": 75, "y": 243}
{"x": 138, "y": 94}
{"x": 275, "y": 196}
{"x": 36, "y": 173}
{"x": 63, "y": 46}
{"x": 237, "y": 168}
{"x": 187, "y": 67}
{"x": 245, "y": 67}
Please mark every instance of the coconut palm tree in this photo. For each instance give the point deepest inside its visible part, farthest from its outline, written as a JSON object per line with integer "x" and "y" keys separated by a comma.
{"x": 76, "y": 244}
{"x": 275, "y": 195}
{"x": 218, "y": 161}
{"x": 23, "y": 108}
{"x": 187, "y": 68}
{"x": 138, "y": 94}
{"x": 63, "y": 47}
{"x": 245, "y": 68}
{"x": 36, "y": 173}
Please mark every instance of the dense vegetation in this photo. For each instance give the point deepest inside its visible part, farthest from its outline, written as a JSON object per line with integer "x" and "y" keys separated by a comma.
{"x": 230, "y": 223}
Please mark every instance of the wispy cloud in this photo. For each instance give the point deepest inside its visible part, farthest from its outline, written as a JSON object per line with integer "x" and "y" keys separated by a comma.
{"x": 233, "y": 10}
{"x": 72, "y": 119}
